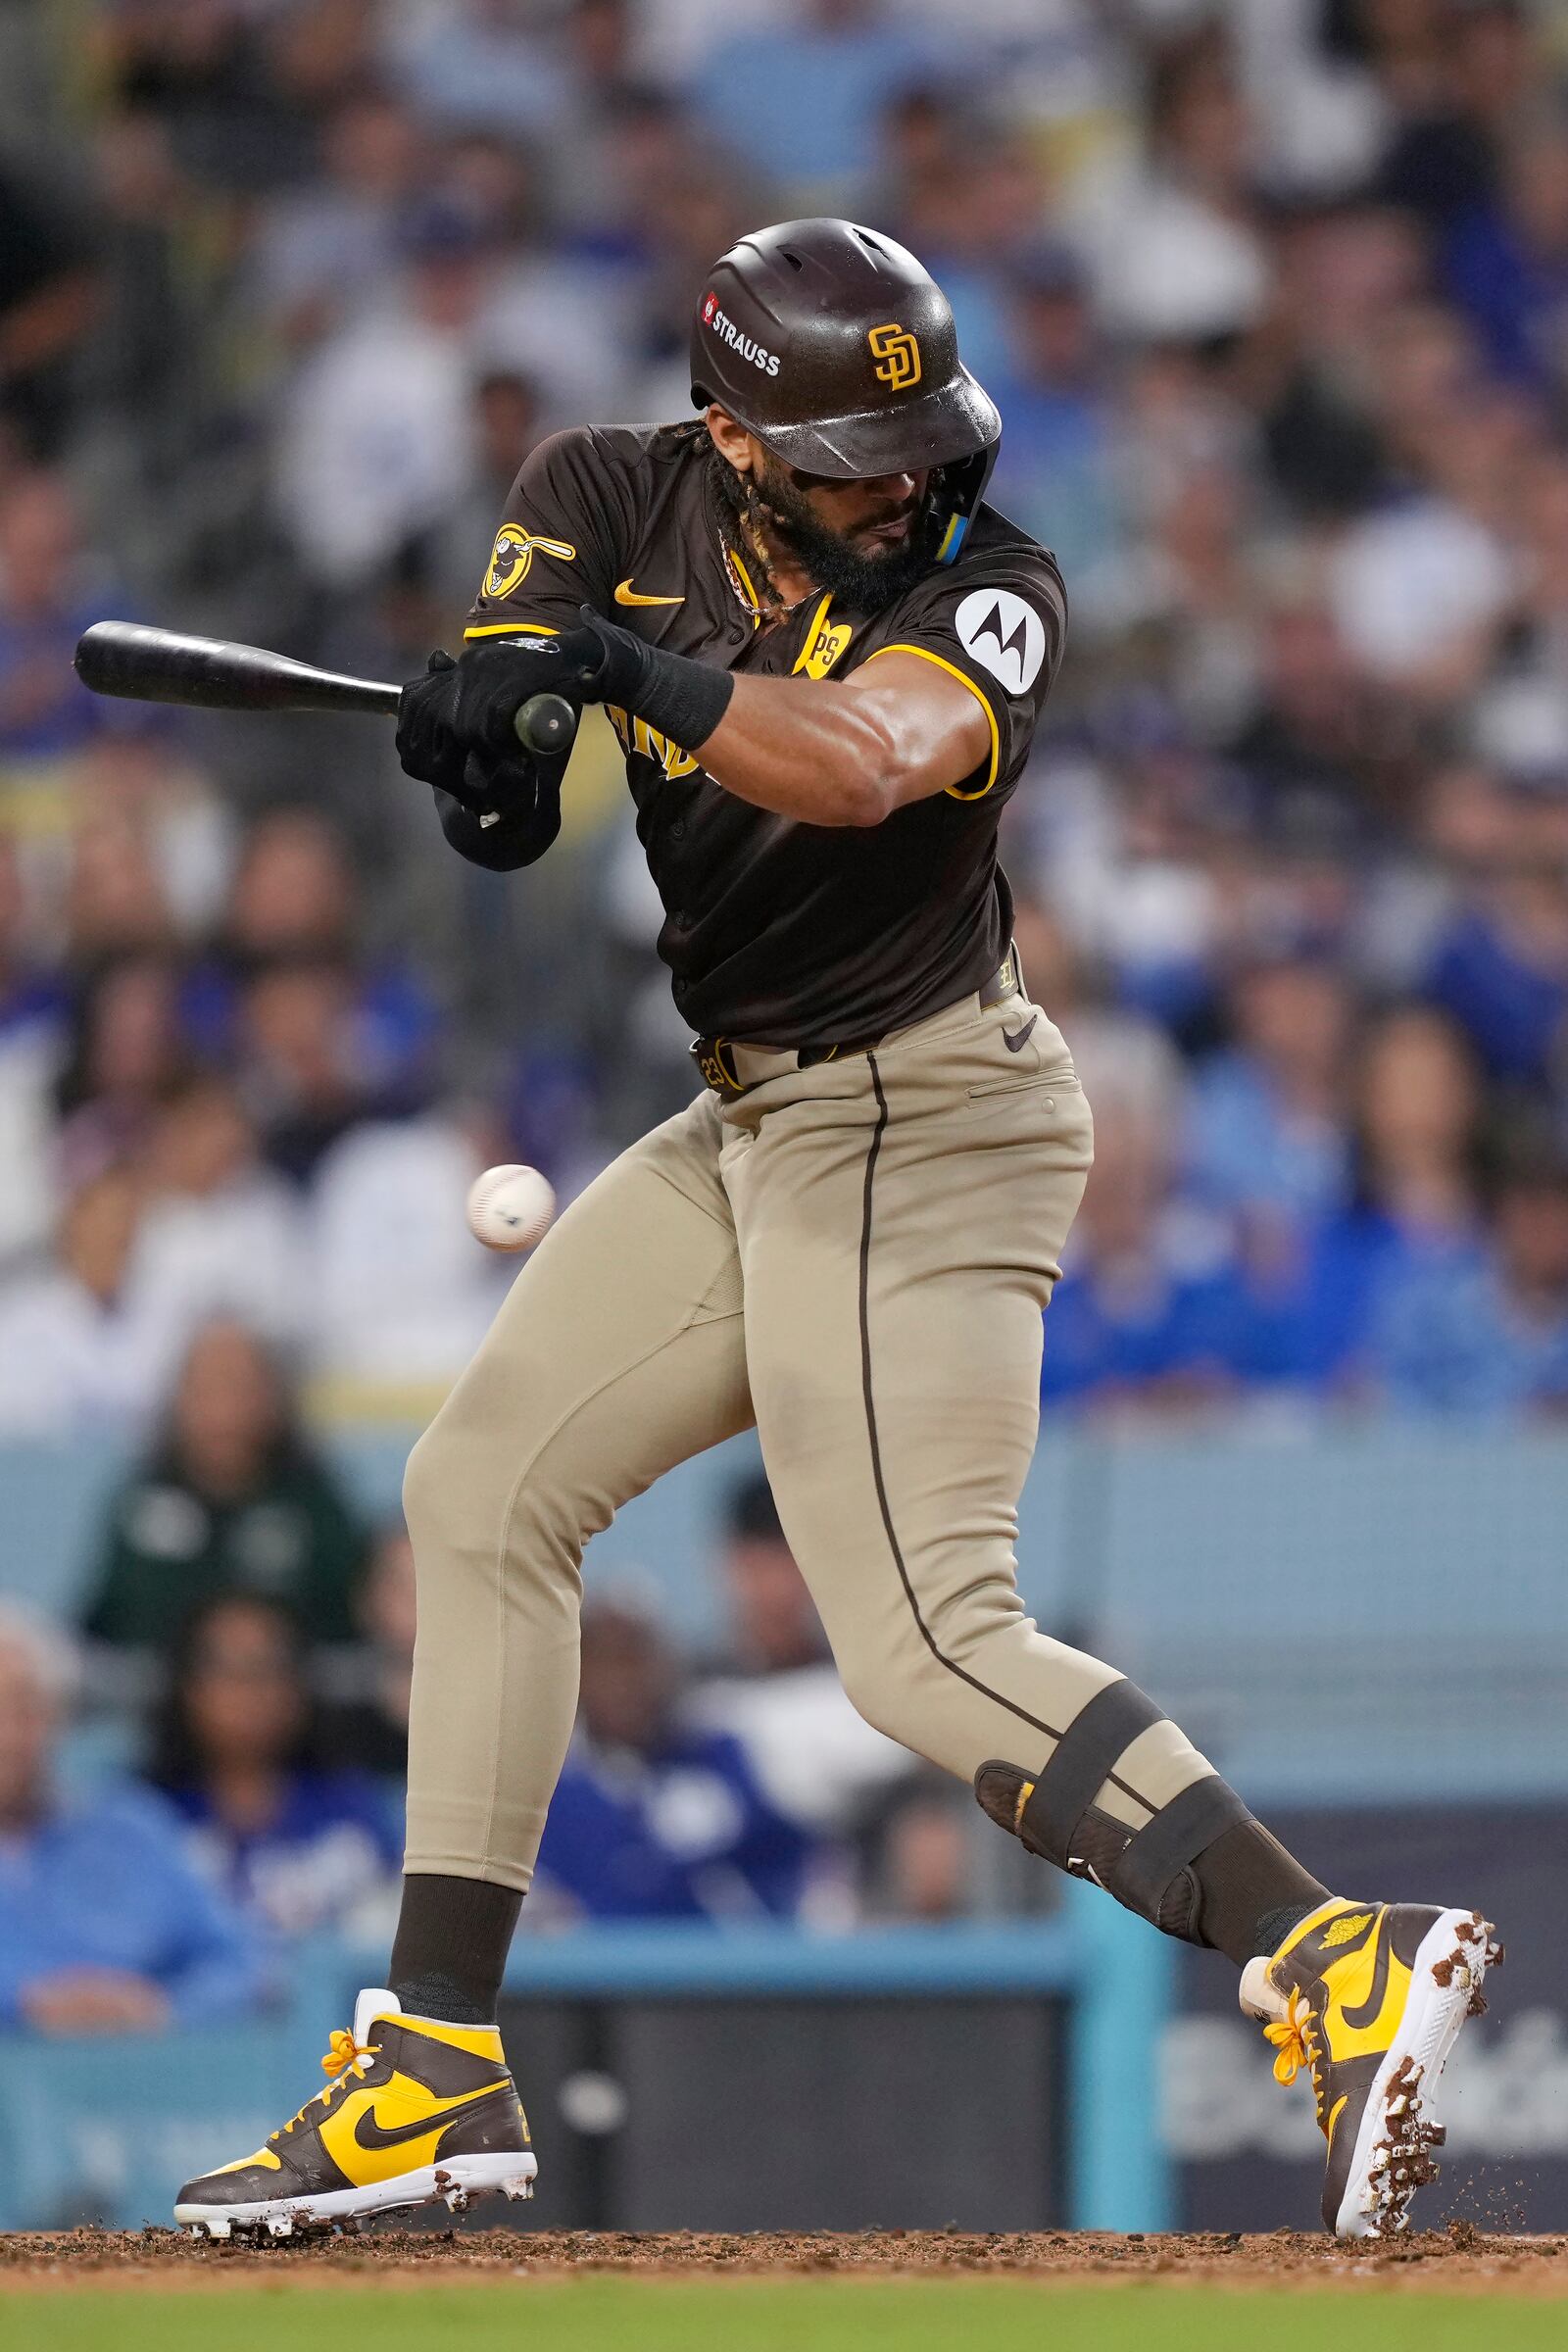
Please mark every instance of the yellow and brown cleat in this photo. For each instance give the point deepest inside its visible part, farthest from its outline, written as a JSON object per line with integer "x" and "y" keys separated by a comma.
{"x": 1369, "y": 1997}
{"x": 417, "y": 2110}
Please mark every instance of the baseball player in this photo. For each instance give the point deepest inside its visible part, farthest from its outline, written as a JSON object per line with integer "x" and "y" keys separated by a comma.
{"x": 824, "y": 655}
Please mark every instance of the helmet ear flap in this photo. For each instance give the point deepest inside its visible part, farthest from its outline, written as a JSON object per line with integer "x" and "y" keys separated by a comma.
{"x": 960, "y": 489}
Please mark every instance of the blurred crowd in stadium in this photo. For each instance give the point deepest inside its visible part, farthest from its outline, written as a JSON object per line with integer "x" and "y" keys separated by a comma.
{"x": 251, "y": 1643}
{"x": 1273, "y": 297}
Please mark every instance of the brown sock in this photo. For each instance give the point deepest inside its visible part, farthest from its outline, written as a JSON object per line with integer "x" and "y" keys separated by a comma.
{"x": 1251, "y": 1892}
{"x": 450, "y": 1951}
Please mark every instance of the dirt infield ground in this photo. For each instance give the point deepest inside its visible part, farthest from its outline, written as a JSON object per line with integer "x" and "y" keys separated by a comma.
{"x": 1457, "y": 2261}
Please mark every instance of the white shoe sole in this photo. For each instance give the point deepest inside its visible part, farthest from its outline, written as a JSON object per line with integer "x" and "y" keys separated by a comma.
{"x": 1392, "y": 2158}
{"x": 453, "y": 2185}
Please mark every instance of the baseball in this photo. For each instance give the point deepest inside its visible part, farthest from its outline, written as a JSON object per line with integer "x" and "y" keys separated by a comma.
{"x": 510, "y": 1208}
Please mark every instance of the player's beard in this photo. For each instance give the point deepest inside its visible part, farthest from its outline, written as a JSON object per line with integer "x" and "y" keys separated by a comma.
{"x": 868, "y": 579}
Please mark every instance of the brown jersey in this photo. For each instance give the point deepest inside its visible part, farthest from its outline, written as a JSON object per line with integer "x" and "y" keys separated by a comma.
{"x": 777, "y": 932}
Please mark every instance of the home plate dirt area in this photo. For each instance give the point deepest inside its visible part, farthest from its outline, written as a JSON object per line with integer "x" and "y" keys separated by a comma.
{"x": 1457, "y": 2260}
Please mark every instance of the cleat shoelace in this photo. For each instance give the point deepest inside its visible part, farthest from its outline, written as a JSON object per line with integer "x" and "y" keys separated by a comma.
{"x": 344, "y": 2057}
{"x": 1294, "y": 2039}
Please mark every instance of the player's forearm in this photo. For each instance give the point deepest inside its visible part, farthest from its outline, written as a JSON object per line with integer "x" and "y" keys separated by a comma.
{"x": 810, "y": 752}
{"x": 814, "y": 750}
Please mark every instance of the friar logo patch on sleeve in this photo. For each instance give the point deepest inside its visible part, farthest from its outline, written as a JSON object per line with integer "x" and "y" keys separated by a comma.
{"x": 513, "y": 554}
{"x": 1004, "y": 634}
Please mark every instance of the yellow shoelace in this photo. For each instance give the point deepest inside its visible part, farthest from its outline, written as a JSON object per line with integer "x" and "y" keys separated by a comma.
{"x": 1297, "y": 2045}
{"x": 344, "y": 2055}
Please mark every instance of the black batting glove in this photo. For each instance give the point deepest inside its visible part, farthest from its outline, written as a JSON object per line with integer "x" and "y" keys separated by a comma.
{"x": 469, "y": 704}
{"x": 426, "y": 739}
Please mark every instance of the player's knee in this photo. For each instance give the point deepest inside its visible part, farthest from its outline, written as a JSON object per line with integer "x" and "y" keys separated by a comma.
{"x": 465, "y": 1503}
{"x": 878, "y": 1689}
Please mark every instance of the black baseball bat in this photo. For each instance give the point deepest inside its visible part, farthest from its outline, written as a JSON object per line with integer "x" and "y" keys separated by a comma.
{"x": 160, "y": 666}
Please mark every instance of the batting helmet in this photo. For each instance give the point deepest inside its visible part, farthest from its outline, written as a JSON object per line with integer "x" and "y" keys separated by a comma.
{"x": 835, "y": 348}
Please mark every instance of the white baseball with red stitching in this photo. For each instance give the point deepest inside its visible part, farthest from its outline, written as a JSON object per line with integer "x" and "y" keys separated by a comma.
{"x": 510, "y": 1208}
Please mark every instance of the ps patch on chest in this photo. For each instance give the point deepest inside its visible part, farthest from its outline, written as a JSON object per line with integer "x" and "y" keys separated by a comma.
{"x": 1004, "y": 634}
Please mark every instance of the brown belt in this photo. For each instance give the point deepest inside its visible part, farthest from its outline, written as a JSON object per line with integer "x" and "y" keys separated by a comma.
{"x": 733, "y": 1066}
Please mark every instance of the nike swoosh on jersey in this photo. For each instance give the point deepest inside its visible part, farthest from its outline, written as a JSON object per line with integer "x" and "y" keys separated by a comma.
{"x": 371, "y": 2135}
{"x": 626, "y": 594}
{"x": 1016, "y": 1039}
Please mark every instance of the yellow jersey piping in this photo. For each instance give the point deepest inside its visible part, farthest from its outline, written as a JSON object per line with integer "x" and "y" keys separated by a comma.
{"x": 511, "y": 628}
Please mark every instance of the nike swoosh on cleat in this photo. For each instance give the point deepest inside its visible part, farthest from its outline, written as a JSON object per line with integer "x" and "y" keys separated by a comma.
{"x": 1367, "y": 2012}
{"x": 371, "y": 2135}
{"x": 626, "y": 594}
{"x": 1016, "y": 1039}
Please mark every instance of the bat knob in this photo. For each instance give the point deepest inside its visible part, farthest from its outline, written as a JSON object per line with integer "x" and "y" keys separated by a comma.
{"x": 546, "y": 724}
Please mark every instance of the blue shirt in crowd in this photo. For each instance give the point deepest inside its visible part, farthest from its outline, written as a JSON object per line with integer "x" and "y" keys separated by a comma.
{"x": 684, "y": 1834}
{"x": 332, "y": 1845}
{"x": 1453, "y": 1342}
{"x": 1244, "y": 1148}
{"x": 105, "y": 1883}
{"x": 1511, "y": 1009}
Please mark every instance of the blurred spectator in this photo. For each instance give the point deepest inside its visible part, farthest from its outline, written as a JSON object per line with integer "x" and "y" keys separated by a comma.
{"x": 1459, "y": 79}
{"x": 87, "y": 1346}
{"x": 231, "y": 1499}
{"x": 507, "y": 422}
{"x": 46, "y": 303}
{"x": 1056, "y": 473}
{"x": 771, "y": 1621}
{"x": 1316, "y": 1287}
{"x": 371, "y": 1733}
{"x": 125, "y": 1052}
{"x": 46, "y": 600}
{"x": 1266, "y": 1132}
{"x": 146, "y": 784}
{"x": 1507, "y": 265}
{"x": 1491, "y": 1337}
{"x": 293, "y": 901}
{"x": 32, "y": 1008}
{"x": 294, "y": 1846}
{"x": 105, "y": 1928}
{"x": 115, "y": 904}
{"x": 220, "y": 1234}
{"x": 1152, "y": 1306}
{"x": 1421, "y": 584}
{"x": 1499, "y": 965}
{"x": 798, "y": 100}
{"x": 296, "y": 1040}
{"x": 1175, "y": 246}
{"x": 325, "y": 245}
{"x": 653, "y": 1817}
{"x": 400, "y": 1293}
{"x": 376, "y": 437}
{"x": 775, "y": 1688}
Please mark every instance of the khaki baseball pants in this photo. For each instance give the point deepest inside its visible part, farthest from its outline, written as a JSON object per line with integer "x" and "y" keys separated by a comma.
{"x": 854, "y": 1257}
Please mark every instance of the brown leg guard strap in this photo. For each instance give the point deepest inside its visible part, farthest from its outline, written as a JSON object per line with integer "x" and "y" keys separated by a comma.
{"x": 1150, "y": 1869}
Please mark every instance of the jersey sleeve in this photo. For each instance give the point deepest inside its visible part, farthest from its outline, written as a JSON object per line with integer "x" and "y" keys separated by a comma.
{"x": 559, "y": 544}
{"x": 999, "y": 626}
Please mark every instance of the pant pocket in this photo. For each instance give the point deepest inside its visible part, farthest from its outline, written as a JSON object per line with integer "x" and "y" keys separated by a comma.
{"x": 1026, "y": 1083}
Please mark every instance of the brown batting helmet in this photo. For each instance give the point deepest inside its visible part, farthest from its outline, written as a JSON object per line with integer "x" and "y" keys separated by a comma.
{"x": 835, "y": 348}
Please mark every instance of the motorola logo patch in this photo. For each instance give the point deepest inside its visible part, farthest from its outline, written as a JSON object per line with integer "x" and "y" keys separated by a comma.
{"x": 1004, "y": 634}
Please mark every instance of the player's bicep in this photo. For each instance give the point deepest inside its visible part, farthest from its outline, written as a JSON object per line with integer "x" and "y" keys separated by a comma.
{"x": 1000, "y": 643}
{"x": 937, "y": 726}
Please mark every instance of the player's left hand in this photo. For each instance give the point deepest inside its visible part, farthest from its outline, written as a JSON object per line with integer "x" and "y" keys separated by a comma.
{"x": 477, "y": 702}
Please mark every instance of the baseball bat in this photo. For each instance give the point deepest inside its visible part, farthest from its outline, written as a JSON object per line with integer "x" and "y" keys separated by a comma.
{"x": 161, "y": 666}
